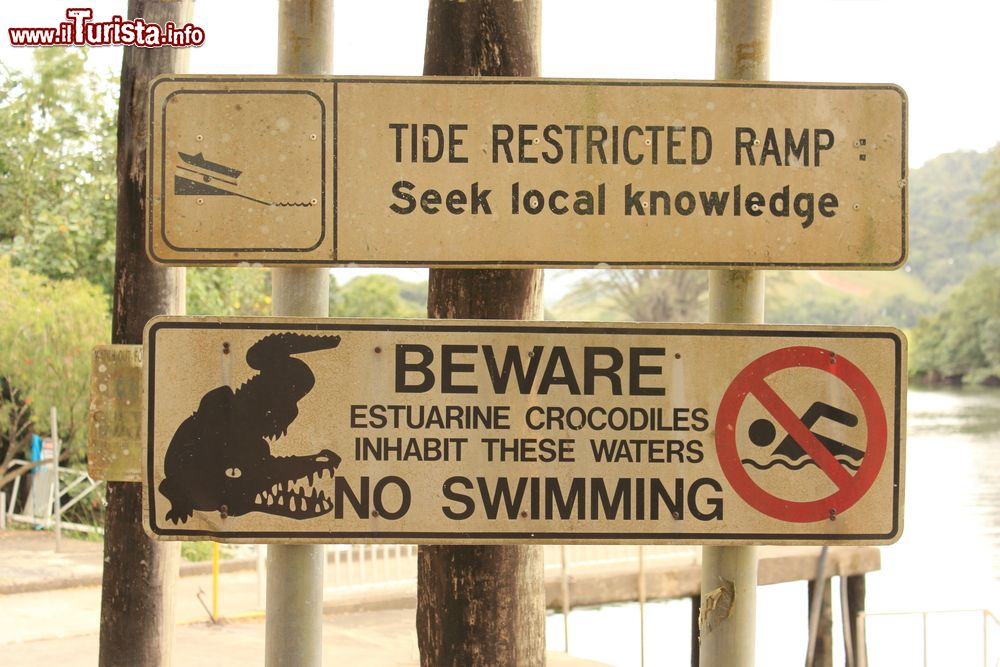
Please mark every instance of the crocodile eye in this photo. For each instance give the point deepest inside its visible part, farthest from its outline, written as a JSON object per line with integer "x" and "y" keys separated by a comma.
{"x": 233, "y": 472}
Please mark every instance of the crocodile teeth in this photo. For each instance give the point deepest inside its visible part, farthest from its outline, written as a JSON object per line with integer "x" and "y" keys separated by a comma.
{"x": 259, "y": 499}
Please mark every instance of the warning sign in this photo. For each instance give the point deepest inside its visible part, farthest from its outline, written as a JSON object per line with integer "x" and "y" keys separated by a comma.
{"x": 470, "y": 432}
{"x": 851, "y": 470}
{"x": 459, "y": 171}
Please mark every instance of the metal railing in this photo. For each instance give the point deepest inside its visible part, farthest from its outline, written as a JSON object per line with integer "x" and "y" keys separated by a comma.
{"x": 988, "y": 620}
{"x": 74, "y": 485}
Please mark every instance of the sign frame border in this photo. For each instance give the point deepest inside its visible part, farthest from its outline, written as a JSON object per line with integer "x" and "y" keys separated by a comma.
{"x": 334, "y": 261}
{"x": 897, "y": 432}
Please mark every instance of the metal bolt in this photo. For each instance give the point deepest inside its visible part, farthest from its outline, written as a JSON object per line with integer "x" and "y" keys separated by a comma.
{"x": 199, "y": 138}
{"x": 833, "y": 514}
{"x": 313, "y": 137}
{"x": 374, "y": 514}
{"x": 378, "y": 350}
{"x": 225, "y": 348}
{"x": 524, "y": 514}
{"x": 676, "y": 515}
{"x": 224, "y": 511}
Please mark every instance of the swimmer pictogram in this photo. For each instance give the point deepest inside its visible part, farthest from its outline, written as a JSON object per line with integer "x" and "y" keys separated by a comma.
{"x": 851, "y": 470}
{"x": 790, "y": 454}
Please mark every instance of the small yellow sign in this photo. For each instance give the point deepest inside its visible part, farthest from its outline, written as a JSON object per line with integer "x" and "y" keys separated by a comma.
{"x": 114, "y": 419}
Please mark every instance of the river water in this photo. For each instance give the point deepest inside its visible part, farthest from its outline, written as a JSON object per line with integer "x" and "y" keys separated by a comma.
{"x": 947, "y": 559}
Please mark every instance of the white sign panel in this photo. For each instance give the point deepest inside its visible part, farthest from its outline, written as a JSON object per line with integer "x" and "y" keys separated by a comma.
{"x": 469, "y": 432}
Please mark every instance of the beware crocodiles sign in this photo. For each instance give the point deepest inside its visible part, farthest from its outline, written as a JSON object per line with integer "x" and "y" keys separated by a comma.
{"x": 287, "y": 430}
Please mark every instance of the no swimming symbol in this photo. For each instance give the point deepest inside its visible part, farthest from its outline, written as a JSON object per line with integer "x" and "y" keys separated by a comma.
{"x": 852, "y": 470}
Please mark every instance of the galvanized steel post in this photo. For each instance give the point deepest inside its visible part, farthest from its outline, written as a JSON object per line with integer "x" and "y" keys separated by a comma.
{"x": 56, "y": 491}
{"x": 294, "y": 614}
{"x": 729, "y": 574}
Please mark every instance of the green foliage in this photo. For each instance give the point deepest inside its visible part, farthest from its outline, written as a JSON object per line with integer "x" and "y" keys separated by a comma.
{"x": 378, "y": 295}
{"x": 196, "y": 551}
{"x": 57, "y": 168}
{"x": 942, "y": 220}
{"x": 47, "y": 329}
{"x": 640, "y": 295}
{"x": 986, "y": 203}
{"x": 15, "y": 420}
{"x": 244, "y": 292}
{"x": 963, "y": 339}
{"x": 845, "y": 297}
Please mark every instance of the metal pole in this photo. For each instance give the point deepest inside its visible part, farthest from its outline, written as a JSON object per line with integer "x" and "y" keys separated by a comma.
{"x": 54, "y": 423}
{"x": 642, "y": 607}
{"x": 261, "y": 575}
{"x": 986, "y": 637}
{"x": 845, "y": 616}
{"x": 3, "y": 511}
{"x": 564, "y": 588}
{"x": 215, "y": 581}
{"x": 861, "y": 639}
{"x": 925, "y": 638}
{"x": 294, "y": 614}
{"x": 742, "y": 51}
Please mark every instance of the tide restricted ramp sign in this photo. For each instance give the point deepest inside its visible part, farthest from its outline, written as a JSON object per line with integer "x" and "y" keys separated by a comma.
{"x": 289, "y": 430}
{"x": 526, "y": 172}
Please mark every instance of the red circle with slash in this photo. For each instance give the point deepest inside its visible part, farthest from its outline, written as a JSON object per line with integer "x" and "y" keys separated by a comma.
{"x": 752, "y": 381}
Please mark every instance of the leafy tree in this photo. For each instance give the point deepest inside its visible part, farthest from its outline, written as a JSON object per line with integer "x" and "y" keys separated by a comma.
{"x": 378, "y": 295}
{"x": 642, "y": 295}
{"x": 986, "y": 203}
{"x": 57, "y": 168}
{"x": 47, "y": 330}
{"x": 943, "y": 196}
{"x": 962, "y": 341}
{"x": 225, "y": 291}
{"x": 15, "y": 421}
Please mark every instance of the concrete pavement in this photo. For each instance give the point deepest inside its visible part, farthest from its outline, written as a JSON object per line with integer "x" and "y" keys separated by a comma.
{"x": 50, "y": 614}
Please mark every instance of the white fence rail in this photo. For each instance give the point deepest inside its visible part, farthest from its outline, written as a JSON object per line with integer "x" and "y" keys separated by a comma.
{"x": 74, "y": 486}
{"x": 953, "y": 635}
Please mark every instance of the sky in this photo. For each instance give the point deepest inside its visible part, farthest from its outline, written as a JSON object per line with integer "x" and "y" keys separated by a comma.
{"x": 938, "y": 52}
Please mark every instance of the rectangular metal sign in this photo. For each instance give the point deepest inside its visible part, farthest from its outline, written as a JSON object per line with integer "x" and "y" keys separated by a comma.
{"x": 288, "y": 430}
{"x": 526, "y": 172}
{"x": 114, "y": 416}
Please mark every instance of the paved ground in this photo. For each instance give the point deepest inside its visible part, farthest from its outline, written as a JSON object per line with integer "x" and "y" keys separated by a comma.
{"x": 50, "y": 608}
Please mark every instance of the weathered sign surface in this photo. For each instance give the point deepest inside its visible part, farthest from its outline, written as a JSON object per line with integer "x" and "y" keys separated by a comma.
{"x": 114, "y": 417}
{"x": 469, "y": 432}
{"x": 526, "y": 172}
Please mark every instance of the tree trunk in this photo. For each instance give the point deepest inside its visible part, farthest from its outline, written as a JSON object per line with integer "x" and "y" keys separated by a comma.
{"x": 482, "y": 605}
{"x": 137, "y": 618}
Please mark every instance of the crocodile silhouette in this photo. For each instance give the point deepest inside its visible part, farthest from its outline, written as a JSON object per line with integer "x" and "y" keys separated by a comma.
{"x": 220, "y": 459}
